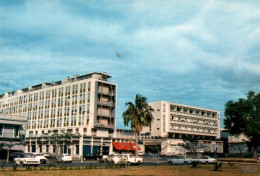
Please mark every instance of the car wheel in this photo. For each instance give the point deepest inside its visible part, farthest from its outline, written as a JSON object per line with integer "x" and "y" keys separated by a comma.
{"x": 206, "y": 162}
{"x": 169, "y": 163}
{"x": 185, "y": 163}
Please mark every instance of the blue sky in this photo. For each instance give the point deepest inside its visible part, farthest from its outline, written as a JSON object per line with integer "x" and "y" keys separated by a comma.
{"x": 199, "y": 53}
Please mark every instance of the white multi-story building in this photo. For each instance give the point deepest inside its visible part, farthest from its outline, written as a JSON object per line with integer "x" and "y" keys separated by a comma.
{"x": 174, "y": 122}
{"x": 84, "y": 105}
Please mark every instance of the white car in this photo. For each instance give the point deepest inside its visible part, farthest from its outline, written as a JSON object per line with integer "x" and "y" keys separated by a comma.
{"x": 126, "y": 158}
{"x": 207, "y": 160}
{"x": 181, "y": 159}
{"x": 66, "y": 158}
{"x": 42, "y": 159}
{"x": 26, "y": 159}
{"x": 133, "y": 160}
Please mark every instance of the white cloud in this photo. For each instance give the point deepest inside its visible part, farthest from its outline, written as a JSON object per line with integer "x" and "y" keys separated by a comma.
{"x": 182, "y": 51}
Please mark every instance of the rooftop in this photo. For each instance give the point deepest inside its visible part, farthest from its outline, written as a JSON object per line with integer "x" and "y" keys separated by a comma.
{"x": 96, "y": 75}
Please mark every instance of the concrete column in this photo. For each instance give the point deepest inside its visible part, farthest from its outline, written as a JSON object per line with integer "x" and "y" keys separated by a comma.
{"x": 81, "y": 148}
{"x": 92, "y": 143}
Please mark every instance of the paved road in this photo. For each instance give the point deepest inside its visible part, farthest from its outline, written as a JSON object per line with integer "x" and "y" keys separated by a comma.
{"x": 148, "y": 160}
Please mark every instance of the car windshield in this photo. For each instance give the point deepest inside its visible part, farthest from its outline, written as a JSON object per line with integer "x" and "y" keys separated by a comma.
{"x": 28, "y": 155}
{"x": 38, "y": 154}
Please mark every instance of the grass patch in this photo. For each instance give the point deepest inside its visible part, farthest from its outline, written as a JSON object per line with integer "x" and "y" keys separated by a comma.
{"x": 163, "y": 170}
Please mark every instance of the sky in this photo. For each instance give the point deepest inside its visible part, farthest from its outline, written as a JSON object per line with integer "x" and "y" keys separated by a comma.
{"x": 198, "y": 53}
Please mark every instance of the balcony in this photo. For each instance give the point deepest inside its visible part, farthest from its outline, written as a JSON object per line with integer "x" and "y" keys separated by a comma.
{"x": 104, "y": 126}
{"x": 106, "y": 103}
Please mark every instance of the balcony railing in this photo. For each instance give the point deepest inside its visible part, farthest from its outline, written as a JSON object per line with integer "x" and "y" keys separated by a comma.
{"x": 104, "y": 126}
{"x": 106, "y": 103}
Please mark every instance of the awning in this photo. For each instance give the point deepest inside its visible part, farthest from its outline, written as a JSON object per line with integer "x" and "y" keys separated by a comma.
{"x": 125, "y": 146}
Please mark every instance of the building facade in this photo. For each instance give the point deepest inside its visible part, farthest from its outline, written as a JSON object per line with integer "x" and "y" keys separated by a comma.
{"x": 83, "y": 105}
{"x": 12, "y": 133}
{"x": 174, "y": 122}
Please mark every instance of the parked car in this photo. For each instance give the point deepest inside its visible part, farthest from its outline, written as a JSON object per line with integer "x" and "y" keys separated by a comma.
{"x": 140, "y": 153}
{"x": 14, "y": 155}
{"x": 133, "y": 160}
{"x": 26, "y": 159}
{"x": 105, "y": 157}
{"x": 65, "y": 158}
{"x": 110, "y": 158}
{"x": 149, "y": 154}
{"x": 40, "y": 157}
{"x": 181, "y": 159}
{"x": 128, "y": 159}
{"x": 207, "y": 160}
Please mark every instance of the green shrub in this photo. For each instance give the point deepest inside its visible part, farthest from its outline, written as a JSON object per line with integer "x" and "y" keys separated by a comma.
{"x": 111, "y": 165}
{"x": 14, "y": 167}
{"x": 91, "y": 165}
{"x": 51, "y": 165}
{"x": 230, "y": 163}
{"x": 63, "y": 167}
{"x": 194, "y": 164}
{"x": 2, "y": 165}
{"x": 42, "y": 168}
{"x": 121, "y": 164}
{"x": 217, "y": 166}
{"x": 107, "y": 165}
{"x": 28, "y": 168}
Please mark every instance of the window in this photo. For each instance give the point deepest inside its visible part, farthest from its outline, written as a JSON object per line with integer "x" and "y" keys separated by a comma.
{"x": 1, "y": 129}
{"x": 77, "y": 149}
{"x": 47, "y": 148}
{"x": 16, "y": 131}
{"x": 53, "y": 149}
{"x": 33, "y": 148}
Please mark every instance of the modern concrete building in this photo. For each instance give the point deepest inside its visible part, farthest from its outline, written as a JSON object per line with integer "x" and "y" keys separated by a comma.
{"x": 84, "y": 105}
{"x": 174, "y": 122}
{"x": 12, "y": 133}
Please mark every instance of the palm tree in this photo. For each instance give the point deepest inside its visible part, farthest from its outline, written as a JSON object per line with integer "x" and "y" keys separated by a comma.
{"x": 139, "y": 115}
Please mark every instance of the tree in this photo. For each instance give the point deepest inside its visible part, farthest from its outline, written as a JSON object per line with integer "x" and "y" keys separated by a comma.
{"x": 59, "y": 140}
{"x": 9, "y": 144}
{"x": 192, "y": 144}
{"x": 138, "y": 115}
{"x": 243, "y": 117}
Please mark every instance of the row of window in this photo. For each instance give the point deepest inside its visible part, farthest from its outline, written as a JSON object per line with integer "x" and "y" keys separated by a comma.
{"x": 193, "y": 120}
{"x": 60, "y": 112}
{"x": 60, "y": 102}
{"x": 193, "y": 111}
{"x": 59, "y": 122}
{"x": 48, "y": 94}
{"x": 193, "y": 129}
{"x": 65, "y": 149}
